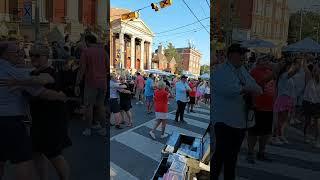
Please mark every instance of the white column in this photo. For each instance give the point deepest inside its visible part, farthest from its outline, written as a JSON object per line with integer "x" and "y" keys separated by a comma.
{"x": 133, "y": 50}
{"x": 150, "y": 55}
{"x": 72, "y": 11}
{"x": 7, "y": 15}
{"x": 121, "y": 43}
{"x": 42, "y": 9}
{"x": 142, "y": 55}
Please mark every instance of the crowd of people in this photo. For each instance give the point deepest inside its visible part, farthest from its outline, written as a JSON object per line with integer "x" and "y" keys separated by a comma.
{"x": 37, "y": 101}
{"x": 258, "y": 98}
{"x": 155, "y": 92}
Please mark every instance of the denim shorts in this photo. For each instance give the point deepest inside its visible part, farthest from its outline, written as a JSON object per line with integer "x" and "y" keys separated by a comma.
{"x": 149, "y": 98}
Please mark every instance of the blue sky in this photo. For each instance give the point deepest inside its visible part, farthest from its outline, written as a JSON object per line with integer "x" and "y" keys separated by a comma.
{"x": 172, "y": 17}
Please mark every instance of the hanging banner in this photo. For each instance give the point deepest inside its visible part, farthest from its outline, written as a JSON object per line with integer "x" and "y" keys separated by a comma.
{"x": 27, "y": 12}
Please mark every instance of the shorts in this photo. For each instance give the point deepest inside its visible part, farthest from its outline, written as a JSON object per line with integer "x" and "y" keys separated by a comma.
{"x": 15, "y": 142}
{"x": 263, "y": 124}
{"x": 114, "y": 105}
{"x": 139, "y": 92}
{"x": 149, "y": 99}
{"x": 125, "y": 106}
{"x": 283, "y": 103}
{"x": 93, "y": 96}
{"x": 161, "y": 115}
{"x": 192, "y": 100}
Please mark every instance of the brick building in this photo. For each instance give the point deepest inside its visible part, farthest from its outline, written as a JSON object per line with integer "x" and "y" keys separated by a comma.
{"x": 161, "y": 62}
{"x": 263, "y": 19}
{"x": 190, "y": 60}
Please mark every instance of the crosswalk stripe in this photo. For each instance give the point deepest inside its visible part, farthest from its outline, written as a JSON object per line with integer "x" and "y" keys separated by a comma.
{"x": 142, "y": 144}
{"x": 279, "y": 168}
{"x": 199, "y": 115}
{"x": 291, "y": 153}
{"x": 202, "y": 110}
{"x": 117, "y": 173}
{"x": 306, "y": 156}
{"x": 170, "y": 129}
{"x": 191, "y": 122}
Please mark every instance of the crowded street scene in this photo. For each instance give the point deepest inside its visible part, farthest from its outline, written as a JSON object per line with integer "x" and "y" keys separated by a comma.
{"x": 160, "y": 90}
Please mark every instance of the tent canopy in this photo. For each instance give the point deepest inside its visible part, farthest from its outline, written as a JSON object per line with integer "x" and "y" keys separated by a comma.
{"x": 205, "y": 76}
{"x": 257, "y": 43}
{"x": 306, "y": 45}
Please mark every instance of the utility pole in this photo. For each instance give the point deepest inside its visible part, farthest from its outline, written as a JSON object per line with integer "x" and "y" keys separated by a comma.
{"x": 37, "y": 21}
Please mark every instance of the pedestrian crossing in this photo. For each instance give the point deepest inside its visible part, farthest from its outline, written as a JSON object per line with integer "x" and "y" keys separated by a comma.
{"x": 135, "y": 155}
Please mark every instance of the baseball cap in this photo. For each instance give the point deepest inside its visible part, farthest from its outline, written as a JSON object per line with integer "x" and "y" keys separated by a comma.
{"x": 236, "y": 48}
{"x": 184, "y": 77}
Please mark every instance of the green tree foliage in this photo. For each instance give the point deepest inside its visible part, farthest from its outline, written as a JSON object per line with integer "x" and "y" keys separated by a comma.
{"x": 204, "y": 69}
{"x": 171, "y": 52}
{"x": 310, "y": 21}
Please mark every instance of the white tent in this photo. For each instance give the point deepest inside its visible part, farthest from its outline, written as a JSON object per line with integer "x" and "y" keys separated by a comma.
{"x": 306, "y": 45}
{"x": 205, "y": 76}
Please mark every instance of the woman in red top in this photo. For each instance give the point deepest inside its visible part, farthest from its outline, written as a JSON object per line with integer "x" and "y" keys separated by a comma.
{"x": 262, "y": 131}
{"x": 161, "y": 98}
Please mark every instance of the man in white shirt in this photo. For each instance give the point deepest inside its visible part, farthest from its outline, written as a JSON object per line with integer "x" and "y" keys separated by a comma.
{"x": 182, "y": 88}
{"x": 230, "y": 116}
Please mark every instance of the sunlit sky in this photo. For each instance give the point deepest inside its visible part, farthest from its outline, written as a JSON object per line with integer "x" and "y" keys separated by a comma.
{"x": 174, "y": 16}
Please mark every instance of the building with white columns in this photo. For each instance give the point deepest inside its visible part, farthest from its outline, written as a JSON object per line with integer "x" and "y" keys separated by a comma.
{"x": 131, "y": 43}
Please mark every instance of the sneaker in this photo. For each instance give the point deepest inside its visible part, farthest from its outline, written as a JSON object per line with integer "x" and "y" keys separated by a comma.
{"x": 284, "y": 140}
{"x": 250, "y": 159}
{"x": 141, "y": 102}
{"x": 263, "y": 157}
{"x": 96, "y": 126}
{"x": 102, "y": 132}
{"x": 276, "y": 141}
{"x": 137, "y": 103}
{"x": 152, "y": 135}
{"x": 164, "y": 136}
{"x": 87, "y": 132}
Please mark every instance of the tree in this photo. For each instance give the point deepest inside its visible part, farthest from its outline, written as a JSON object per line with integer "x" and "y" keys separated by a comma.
{"x": 310, "y": 22}
{"x": 204, "y": 69}
{"x": 171, "y": 52}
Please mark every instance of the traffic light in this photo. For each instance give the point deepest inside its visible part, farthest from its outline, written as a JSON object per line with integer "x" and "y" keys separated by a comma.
{"x": 154, "y": 6}
{"x": 165, "y": 3}
{"x": 130, "y": 16}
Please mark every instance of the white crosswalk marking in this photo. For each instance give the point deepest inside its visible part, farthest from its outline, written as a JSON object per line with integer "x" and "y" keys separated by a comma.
{"x": 117, "y": 173}
{"x": 145, "y": 145}
{"x": 279, "y": 168}
{"x": 202, "y": 110}
{"x": 142, "y": 144}
{"x": 171, "y": 129}
{"x": 191, "y": 122}
{"x": 199, "y": 115}
{"x": 152, "y": 148}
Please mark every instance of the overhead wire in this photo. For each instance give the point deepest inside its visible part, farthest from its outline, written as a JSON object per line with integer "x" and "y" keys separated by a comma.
{"x": 195, "y": 15}
{"x": 208, "y": 3}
